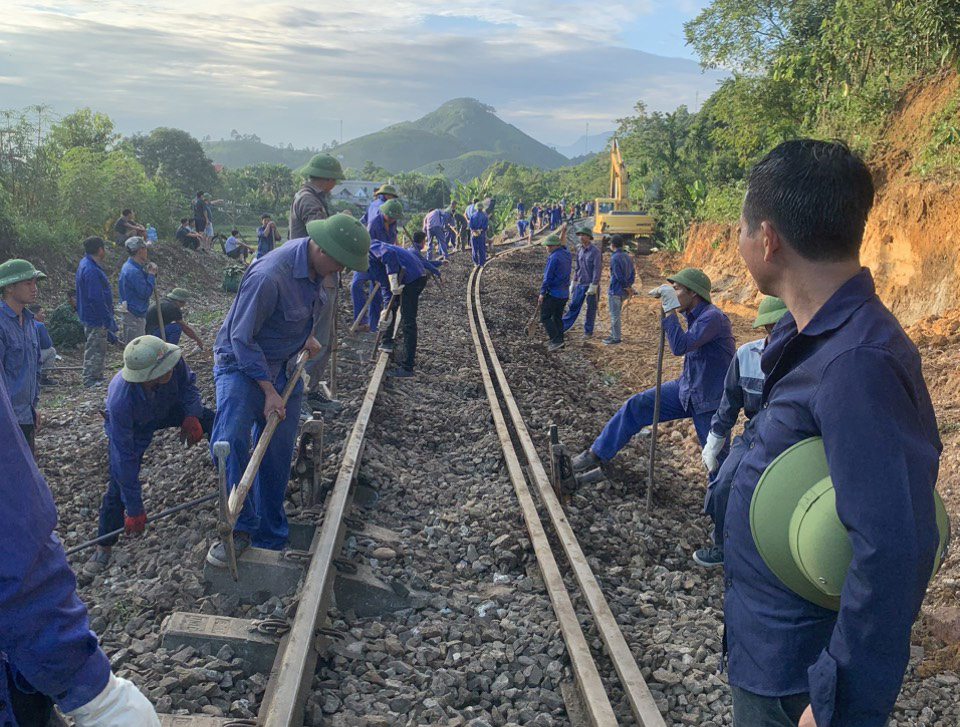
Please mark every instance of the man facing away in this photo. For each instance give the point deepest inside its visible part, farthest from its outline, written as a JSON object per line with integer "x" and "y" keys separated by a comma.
{"x": 622, "y": 277}
{"x": 94, "y": 309}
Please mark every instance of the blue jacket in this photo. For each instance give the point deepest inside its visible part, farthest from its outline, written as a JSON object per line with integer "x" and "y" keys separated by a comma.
{"x": 44, "y": 634}
{"x": 556, "y": 273}
{"x": 373, "y": 209}
{"x": 273, "y": 314}
{"x": 852, "y": 377}
{"x": 479, "y": 221}
{"x": 265, "y": 243}
{"x": 377, "y": 227}
{"x": 94, "y": 297}
{"x": 742, "y": 388}
{"x": 136, "y": 287}
{"x": 20, "y": 360}
{"x": 386, "y": 259}
{"x": 622, "y": 274}
{"x": 433, "y": 219}
{"x": 133, "y": 415}
{"x": 43, "y": 336}
{"x": 588, "y": 265}
{"x": 707, "y": 347}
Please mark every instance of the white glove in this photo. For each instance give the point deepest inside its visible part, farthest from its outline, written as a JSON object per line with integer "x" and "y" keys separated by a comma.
{"x": 395, "y": 286}
{"x": 573, "y": 284}
{"x": 592, "y": 290}
{"x": 667, "y": 296}
{"x": 386, "y": 317}
{"x": 711, "y": 450}
{"x": 152, "y": 269}
{"x": 120, "y": 704}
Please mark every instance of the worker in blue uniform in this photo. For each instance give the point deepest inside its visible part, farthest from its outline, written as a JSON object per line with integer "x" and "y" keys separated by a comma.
{"x": 433, "y": 227}
{"x": 154, "y": 390}
{"x": 522, "y": 226}
{"x": 94, "y": 309}
{"x": 555, "y": 288}
{"x": 838, "y": 366}
{"x": 48, "y": 654}
{"x": 707, "y": 347}
{"x": 520, "y": 209}
{"x": 622, "y": 278}
{"x": 381, "y": 195}
{"x": 478, "y": 235}
{"x": 269, "y": 323}
{"x": 382, "y": 226}
{"x": 138, "y": 277}
{"x": 586, "y": 284}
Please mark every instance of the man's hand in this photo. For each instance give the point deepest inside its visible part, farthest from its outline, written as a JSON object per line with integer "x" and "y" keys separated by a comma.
{"x": 134, "y": 524}
{"x": 386, "y": 317}
{"x": 37, "y": 419}
{"x": 539, "y": 300}
{"x": 312, "y": 347}
{"x": 667, "y": 296}
{"x": 711, "y": 450}
{"x": 806, "y": 719}
{"x": 152, "y": 269}
{"x": 273, "y": 402}
{"x": 190, "y": 431}
{"x": 592, "y": 289}
{"x": 120, "y": 704}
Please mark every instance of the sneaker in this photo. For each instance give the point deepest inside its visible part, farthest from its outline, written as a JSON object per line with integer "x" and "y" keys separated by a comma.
{"x": 554, "y": 347}
{"x": 611, "y": 341}
{"x": 318, "y": 402}
{"x": 386, "y": 346}
{"x": 98, "y": 562}
{"x": 585, "y": 460}
{"x": 709, "y": 557}
{"x": 217, "y": 555}
{"x": 401, "y": 373}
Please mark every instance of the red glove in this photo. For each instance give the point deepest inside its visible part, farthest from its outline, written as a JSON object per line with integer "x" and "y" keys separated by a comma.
{"x": 134, "y": 523}
{"x": 190, "y": 431}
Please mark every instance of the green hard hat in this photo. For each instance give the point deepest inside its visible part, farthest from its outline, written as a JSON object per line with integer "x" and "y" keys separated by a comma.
{"x": 16, "y": 271}
{"x": 147, "y": 358}
{"x": 551, "y": 240}
{"x": 392, "y": 209}
{"x": 769, "y": 311}
{"x": 180, "y": 294}
{"x": 585, "y": 231}
{"x": 388, "y": 189}
{"x": 795, "y": 526}
{"x": 323, "y": 166}
{"x": 694, "y": 279}
{"x": 344, "y": 239}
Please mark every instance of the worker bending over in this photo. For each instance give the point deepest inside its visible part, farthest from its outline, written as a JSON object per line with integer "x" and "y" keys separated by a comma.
{"x": 382, "y": 225}
{"x": 172, "y": 310}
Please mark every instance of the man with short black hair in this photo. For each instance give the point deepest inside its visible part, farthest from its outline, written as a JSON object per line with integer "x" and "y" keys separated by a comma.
{"x": 188, "y": 237}
{"x": 94, "y": 309}
{"x": 622, "y": 277}
{"x": 199, "y": 209}
{"x": 234, "y": 248}
{"x": 586, "y": 284}
{"x": 267, "y": 235}
{"x": 125, "y": 227}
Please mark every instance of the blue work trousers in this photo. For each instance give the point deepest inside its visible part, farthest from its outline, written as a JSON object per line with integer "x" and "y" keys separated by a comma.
{"x": 753, "y": 710}
{"x": 478, "y": 246}
{"x": 436, "y": 233}
{"x": 240, "y": 422}
{"x": 111, "y": 507}
{"x": 359, "y": 291}
{"x": 718, "y": 489}
{"x": 576, "y": 303}
{"x": 637, "y": 413}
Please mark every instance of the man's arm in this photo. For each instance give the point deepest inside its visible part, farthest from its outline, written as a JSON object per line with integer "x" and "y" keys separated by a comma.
{"x": 731, "y": 403}
{"x": 124, "y": 459}
{"x": 703, "y": 330}
{"x": 258, "y": 300}
{"x": 188, "y": 330}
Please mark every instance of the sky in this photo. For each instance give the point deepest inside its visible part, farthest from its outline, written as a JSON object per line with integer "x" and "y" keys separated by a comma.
{"x": 291, "y": 72}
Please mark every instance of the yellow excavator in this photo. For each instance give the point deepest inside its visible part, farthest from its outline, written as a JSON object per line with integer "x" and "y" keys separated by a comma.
{"x": 613, "y": 216}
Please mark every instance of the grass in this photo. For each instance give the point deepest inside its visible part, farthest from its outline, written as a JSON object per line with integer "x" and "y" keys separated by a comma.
{"x": 942, "y": 150}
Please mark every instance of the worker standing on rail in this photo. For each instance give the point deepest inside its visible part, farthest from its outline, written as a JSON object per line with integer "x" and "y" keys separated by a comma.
{"x": 269, "y": 322}
{"x": 174, "y": 325}
{"x": 554, "y": 288}
{"x": 586, "y": 284}
{"x": 707, "y": 347}
{"x": 48, "y": 654}
{"x": 312, "y": 202}
{"x": 154, "y": 390}
{"x": 839, "y": 367}
{"x": 478, "y": 235}
{"x": 622, "y": 277}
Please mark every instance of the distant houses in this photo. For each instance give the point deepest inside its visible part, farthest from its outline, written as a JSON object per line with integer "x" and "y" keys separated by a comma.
{"x": 354, "y": 190}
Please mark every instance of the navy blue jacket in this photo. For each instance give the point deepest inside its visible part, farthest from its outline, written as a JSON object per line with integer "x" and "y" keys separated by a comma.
{"x": 707, "y": 347}
{"x": 94, "y": 297}
{"x": 852, "y": 377}
{"x": 622, "y": 274}
{"x": 386, "y": 259}
{"x": 135, "y": 287}
{"x": 556, "y": 273}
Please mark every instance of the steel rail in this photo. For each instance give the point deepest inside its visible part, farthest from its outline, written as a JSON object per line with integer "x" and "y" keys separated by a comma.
{"x": 642, "y": 704}
{"x": 595, "y": 699}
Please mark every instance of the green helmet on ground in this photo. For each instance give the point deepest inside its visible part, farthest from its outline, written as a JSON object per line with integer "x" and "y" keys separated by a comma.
{"x": 769, "y": 311}
{"x": 344, "y": 239}
{"x": 147, "y": 358}
{"x": 16, "y": 271}
{"x": 179, "y": 294}
{"x": 551, "y": 240}
{"x": 585, "y": 231}
{"x": 323, "y": 166}
{"x": 388, "y": 189}
{"x": 795, "y": 526}
{"x": 694, "y": 279}
{"x": 392, "y": 209}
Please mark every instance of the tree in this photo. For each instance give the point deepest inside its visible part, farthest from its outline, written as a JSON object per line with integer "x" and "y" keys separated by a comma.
{"x": 83, "y": 129}
{"x": 177, "y": 157}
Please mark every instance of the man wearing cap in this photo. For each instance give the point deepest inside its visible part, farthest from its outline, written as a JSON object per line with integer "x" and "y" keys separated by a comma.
{"x": 554, "y": 288}
{"x": 433, "y": 228}
{"x": 384, "y": 193}
{"x": 707, "y": 347}
{"x": 382, "y": 227}
{"x": 171, "y": 310}
{"x": 138, "y": 277}
{"x": 94, "y": 309}
{"x": 586, "y": 284}
{"x": 154, "y": 390}
{"x": 742, "y": 389}
{"x": 478, "y": 235}
{"x": 838, "y": 366}
{"x": 622, "y": 277}
{"x": 19, "y": 343}
{"x": 269, "y": 323}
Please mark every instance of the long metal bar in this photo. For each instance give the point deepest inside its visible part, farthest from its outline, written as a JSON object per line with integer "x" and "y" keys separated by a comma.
{"x": 652, "y": 457}
{"x": 595, "y": 698}
{"x": 638, "y": 694}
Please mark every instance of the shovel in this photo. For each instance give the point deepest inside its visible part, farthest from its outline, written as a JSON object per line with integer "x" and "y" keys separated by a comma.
{"x": 530, "y": 328}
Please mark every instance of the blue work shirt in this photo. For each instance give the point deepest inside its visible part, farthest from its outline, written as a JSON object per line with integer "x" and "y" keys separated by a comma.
{"x": 45, "y": 637}
{"x": 43, "y": 336}
{"x": 622, "y": 274}
{"x": 742, "y": 388}
{"x": 853, "y": 378}
{"x": 20, "y": 357}
{"x": 588, "y": 265}
{"x": 265, "y": 243}
{"x": 373, "y": 209}
{"x": 377, "y": 227}
{"x": 707, "y": 347}
{"x": 136, "y": 287}
{"x": 479, "y": 221}
{"x": 132, "y": 416}
{"x": 272, "y": 315}
{"x": 522, "y": 225}
{"x": 386, "y": 259}
{"x": 469, "y": 210}
{"x": 94, "y": 297}
{"x": 433, "y": 219}
{"x": 556, "y": 273}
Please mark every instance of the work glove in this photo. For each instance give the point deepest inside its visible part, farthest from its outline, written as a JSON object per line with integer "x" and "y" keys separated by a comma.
{"x": 386, "y": 317}
{"x": 190, "y": 431}
{"x": 152, "y": 269}
{"x": 573, "y": 285}
{"x": 134, "y": 523}
{"x": 592, "y": 290}
{"x": 711, "y": 450}
{"x": 120, "y": 704}
{"x": 667, "y": 296}
{"x": 395, "y": 286}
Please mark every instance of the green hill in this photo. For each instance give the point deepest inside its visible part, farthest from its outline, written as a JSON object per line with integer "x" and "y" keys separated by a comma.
{"x": 235, "y": 153}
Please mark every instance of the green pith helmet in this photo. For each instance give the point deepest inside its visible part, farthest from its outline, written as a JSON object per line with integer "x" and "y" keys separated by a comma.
{"x": 388, "y": 189}
{"x": 392, "y": 209}
{"x": 16, "y": 271}
{"x": 147, "y": 358}
{"x": 694, "y": 279}
{"x": 769, "y": 311}
{"x": 179, "y": 294}
{"x": 323, "y": 166}
{"x": 795, "y": 526}
{"x": 551, "y": 240}
{"x": 585, "y": 231}
{"x": 344, "y": 239}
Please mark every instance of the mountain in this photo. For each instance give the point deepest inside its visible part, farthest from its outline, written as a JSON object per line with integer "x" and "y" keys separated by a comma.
{"x": 585, "y": 145}
{"x": 235, "y": 153}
